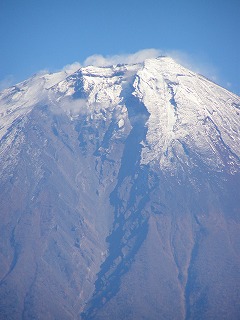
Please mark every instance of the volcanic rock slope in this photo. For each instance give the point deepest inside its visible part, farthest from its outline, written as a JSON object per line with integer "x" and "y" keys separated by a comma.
{"x": 120, "y": 195}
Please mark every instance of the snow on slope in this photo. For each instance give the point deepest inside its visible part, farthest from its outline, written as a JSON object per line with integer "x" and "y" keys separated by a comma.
{"x": 188, "y": 113}
{"x": 98, "y": 88}
{"x": 18, "y": 100}
{"x": 16, "y": 103}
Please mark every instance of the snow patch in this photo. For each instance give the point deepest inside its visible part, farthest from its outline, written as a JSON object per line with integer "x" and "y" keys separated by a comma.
{"x": 121, "y": 123}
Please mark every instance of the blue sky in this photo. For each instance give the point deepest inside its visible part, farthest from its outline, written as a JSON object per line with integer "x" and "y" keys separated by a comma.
{"x": 40, "y": 34}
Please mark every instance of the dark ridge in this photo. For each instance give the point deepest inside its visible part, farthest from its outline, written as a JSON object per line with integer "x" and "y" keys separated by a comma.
{"x": 130, "y": 222}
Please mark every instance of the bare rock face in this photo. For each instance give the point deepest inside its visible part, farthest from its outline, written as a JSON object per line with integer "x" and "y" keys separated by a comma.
{"x": 120, "y": 195}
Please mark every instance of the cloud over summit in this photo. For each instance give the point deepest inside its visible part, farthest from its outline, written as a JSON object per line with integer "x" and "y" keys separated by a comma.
{"x": 101, "y": 61}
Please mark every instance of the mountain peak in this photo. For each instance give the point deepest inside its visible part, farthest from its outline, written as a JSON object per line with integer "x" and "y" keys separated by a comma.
{"x": 119, "y": 183}
{"x": 177, "y": 100}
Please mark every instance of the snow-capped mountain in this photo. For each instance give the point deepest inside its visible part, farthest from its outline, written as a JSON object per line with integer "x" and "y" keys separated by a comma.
{"x": 120, "y": 195}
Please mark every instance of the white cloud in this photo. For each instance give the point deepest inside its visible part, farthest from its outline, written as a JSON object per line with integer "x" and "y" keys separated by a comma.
{"x": 140, "y": 56}
{"x": 71, "y": 68}
{"x": 194, "y": 63}
{"x": 73, "y": 107}
{"x": 68, "y": 69}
